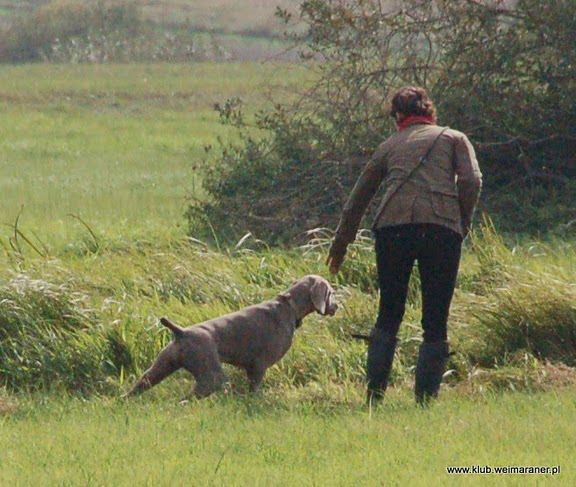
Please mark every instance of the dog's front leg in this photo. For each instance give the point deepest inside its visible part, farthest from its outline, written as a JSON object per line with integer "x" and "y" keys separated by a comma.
{"x": 204, "y": 364}
{"x": 208, "y": 384}
{"x": 255, "y": 374}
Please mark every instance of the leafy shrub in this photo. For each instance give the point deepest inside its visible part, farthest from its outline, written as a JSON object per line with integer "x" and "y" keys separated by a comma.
{"x": 520, "y": 300}
{"x": 487, "y": 64}
{"x": 540, "y": 207}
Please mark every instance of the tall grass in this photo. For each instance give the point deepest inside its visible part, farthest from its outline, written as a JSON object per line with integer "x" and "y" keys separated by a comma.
{"x": 90, "y": 323}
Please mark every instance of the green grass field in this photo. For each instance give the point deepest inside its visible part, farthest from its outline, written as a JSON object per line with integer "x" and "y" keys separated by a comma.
{"x": 272, "y": 440}
{"x": 122, "y": 147}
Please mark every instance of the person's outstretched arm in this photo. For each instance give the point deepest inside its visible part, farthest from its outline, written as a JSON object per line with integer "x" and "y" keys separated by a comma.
{"x": 469, "y": 180}
{"x": 354, "y": 209}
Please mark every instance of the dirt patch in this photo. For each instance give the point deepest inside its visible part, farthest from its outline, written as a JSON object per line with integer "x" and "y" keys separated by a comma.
{"x": 553, "y": 375}
{"x": 7, "y": 406}
{"x": 536, "y": 376}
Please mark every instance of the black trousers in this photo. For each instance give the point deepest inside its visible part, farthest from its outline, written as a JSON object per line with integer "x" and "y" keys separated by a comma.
{"x": 437, "y": 250}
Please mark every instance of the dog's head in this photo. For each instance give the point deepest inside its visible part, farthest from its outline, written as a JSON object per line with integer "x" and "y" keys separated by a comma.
{"x": 322, "y": 296}
{"x": 317, "y": 291}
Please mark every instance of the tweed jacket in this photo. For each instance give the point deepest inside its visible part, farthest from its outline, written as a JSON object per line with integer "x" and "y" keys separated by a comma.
{"x": 443, "y": 190}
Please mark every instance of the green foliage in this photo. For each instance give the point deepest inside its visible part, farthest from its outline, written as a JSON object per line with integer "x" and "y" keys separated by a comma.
{"x": 487, "y": 66}
{"x": 522, "y": 305}
{"x": 539, "y": 207}
{"x": 44, "y": 336}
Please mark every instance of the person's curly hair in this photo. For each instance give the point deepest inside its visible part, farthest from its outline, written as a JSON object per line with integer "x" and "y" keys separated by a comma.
{"x": 412, "y": 100}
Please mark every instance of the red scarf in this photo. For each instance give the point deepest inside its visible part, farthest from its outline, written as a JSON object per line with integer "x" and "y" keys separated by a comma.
{"x": 414, "y": 119}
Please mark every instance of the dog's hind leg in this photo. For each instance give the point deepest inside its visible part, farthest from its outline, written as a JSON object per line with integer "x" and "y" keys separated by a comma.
{"x": 165, "y": 364}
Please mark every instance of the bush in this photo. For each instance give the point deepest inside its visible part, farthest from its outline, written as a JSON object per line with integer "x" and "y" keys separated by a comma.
{"x": 540, "y": 206}
{"x": 497, "y": 72}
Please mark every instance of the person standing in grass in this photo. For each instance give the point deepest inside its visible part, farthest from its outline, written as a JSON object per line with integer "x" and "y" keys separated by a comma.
{"x": 432, "y": 184}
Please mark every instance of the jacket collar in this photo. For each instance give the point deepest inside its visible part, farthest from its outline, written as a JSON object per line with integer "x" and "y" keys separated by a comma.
{"x": 416, "y": 119}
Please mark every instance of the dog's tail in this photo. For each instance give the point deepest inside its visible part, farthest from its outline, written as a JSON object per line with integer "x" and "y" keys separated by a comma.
{"x": 178, "y": 332}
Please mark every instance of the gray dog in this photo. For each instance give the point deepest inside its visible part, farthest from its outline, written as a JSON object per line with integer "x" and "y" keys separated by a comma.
{"x": 253, "y": 338}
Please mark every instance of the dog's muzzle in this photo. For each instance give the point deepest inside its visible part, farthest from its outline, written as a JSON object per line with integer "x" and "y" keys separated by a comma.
{"x": 331, "y": 309}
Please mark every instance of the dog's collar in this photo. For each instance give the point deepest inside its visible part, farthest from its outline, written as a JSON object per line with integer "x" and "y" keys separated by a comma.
{"x": 298, "y": 321}
{"x": 288, "y": 299}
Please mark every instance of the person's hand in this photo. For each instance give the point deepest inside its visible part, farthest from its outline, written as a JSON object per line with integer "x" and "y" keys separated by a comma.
{"x": 336, "y": 256}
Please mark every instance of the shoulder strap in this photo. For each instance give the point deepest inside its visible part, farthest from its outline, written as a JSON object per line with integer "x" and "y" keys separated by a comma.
{"x": 421, "y": 161}
{"x": 424, "y": 158}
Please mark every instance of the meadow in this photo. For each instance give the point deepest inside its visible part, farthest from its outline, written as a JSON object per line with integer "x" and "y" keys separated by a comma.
{"x": 122, "y": 147}
{"x": 273, "y": 440}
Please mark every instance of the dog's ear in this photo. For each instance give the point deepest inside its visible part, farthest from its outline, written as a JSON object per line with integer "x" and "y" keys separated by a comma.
{"x": 320, "y": 294}
{"x": 284, "y": 296}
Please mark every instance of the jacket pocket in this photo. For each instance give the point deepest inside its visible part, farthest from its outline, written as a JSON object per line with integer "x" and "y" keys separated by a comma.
{"x": 445, "y": 205}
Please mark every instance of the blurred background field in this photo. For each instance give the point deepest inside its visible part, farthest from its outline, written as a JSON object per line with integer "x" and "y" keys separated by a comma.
{"x": 121, "y": 146}
{"x": 248, "y": 16}
{"x": 218, "y": 29}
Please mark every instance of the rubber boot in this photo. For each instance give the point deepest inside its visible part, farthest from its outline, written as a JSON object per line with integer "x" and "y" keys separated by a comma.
{"x": 429, "y": 370}
{"x": 381, "y": 348}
